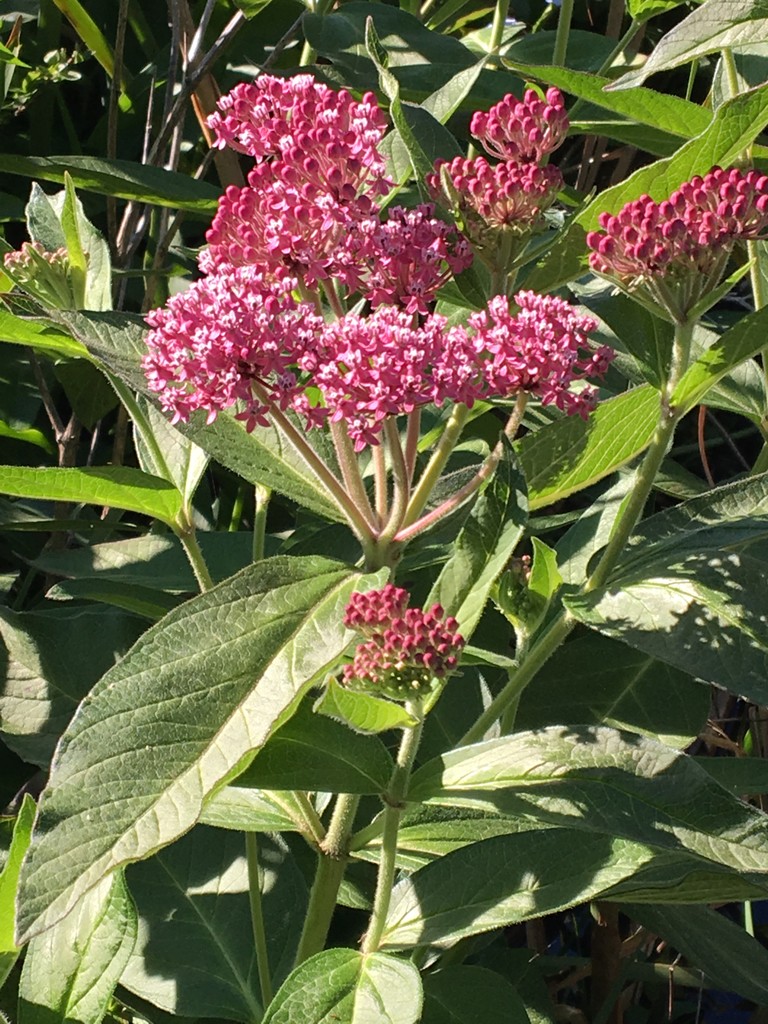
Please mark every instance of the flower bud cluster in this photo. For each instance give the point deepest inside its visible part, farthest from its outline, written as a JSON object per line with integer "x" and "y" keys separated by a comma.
{"x": 499, "y": 206}
{"x": 526, "y": 130}
{"x": 408, "y": 649}
{"x": 677, "y": 249}
{"x": 45, "y": 275}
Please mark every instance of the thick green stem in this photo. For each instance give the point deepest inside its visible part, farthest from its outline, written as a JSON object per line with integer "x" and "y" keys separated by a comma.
{"x": 192, "y": 550}
{"x": 546, "y": 644}
{"x": 308, "y": 54}
{"x": 350, "y": 470}
{"x": 257, "y": 916}
{"x": 435, "y": 466}
{"x": 331, "y": 865}
{"x": 400, "y": 484}
{"x": 394, "y": 797}
{"x": 563, "y": 31}
{"x": 413, "y": 432}
{"x": 497, "y": 29}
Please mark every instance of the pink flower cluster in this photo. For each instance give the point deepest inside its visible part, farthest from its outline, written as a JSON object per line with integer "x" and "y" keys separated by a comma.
{"x": 509, "y": 198}
{"x": 407, "y": 648}
{"x": 222, "y": 342}
{"x": 309, "y": 209}
{"x": 678, "y": 248}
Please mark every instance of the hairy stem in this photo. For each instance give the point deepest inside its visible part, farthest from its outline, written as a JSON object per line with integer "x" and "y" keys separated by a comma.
{"x": 499, "y": 20}
{"x": 400, "y": 484}
{"x": 188, "y": 538}
{"x": 394, "y": 797}
{"x": 331, "y": 865}
{"x": 350, "y": 470}
{"x": 435, "y": 466}
{"x": 563, "y": 30}
{"x": 257, "y": 916}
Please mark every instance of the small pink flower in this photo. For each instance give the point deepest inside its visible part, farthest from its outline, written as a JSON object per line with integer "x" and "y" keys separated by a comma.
{"x": 318, "y": 135}
{"x": 211, "y": 343}
{"x": 404, "y": 259}
{"x": 408, "y": 648}
{"x": 526, "y": 130}
{"x": 368, "y": 368}
{"x": 677, "y": 249}
{"x": 542, "y": 349}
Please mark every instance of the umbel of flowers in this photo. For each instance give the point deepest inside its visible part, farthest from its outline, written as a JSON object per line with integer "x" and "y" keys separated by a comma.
{"x": 675, "y": 252}
{"x": 407, "y": 650}
{"x": 315, "y": 309}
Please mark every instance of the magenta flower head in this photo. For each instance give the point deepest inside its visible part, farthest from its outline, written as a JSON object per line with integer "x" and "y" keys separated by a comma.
{"x": 676, "y": 251}
{"x": 320, "y": 134}
{"x": 542, "y": 349}
{"x": 404, "y": 259}
{"x": 497, "y": 206}
{"x": 408, "y": 650}
{"x": 231, "y": 339}
{"x": 526, "y": 130}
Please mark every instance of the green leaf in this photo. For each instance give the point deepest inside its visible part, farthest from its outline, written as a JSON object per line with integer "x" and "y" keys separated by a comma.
{"x": 643, "y": 10}
{"x": 87, "y": 390}
{"x": 741, "y": 342}
{"x": 453, "y": 995}
{"x": 663, "y": 111}
{"x": 143, "y": 601}
{"x": 164, "y": 451}
{"x": 570, "y": 454}
{"x": 603, "y": 781}
{"x": 596, "y": 681}
{"x": 117, "y": 340}
{"x": 120, "y": 178}
{"x": 347, "y": 987}
{"x": 484, "y": 546}
{"x": 9, "y": 879}
{"x": 688, "y": 590}
{"x": 116, "y": 486}
{"x": 251, "y": 810}
{"x": 736, "y": 124}
{"x": 152, "y": 561}
{"x": 362, "y": 712}
{"x": 671, "y": 878}
{"x": 707, "y": 29}
{"x": 202, "y": 690}
{"x": 503, "y": 880}
{"x": 71, "y": 971}
{"x": 48, "y": 669}
{"x": 38, "y": 334}
{"x": 312, "y": 752}
{"x": 195, "y": 954}
{"x": 730, "y": 959}
{"x": 742, "y": 776}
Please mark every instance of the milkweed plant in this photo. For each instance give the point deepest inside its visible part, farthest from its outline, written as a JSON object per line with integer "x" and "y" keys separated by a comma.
{"x": 415, "y": 599}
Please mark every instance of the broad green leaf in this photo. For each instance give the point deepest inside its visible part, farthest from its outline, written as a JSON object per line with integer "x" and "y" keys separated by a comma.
{"x": 707, "y": 29}
{"x": 194, "y": 954}
{"x": 71, "y": 971}
{"x": 143, "y": 601}
{"x": 642, "y": 10}
{"x": 596, "y": 681}
{"x": 503, "y": 880}
{"x": 179, "y": 716}
{"x": 347, "y": 987}
{"x": 120, "y": 178}
{"x": 87, "y": 389}
{"x": 689, "y": 591}
{"x": 544, "y": 579}
{"x": 51, "y": 659}
{"x": 89, "y": 32}
{"x": 741, "y": 342}
{"x": 362, "y": 712}
{"x": 570, "y": 454}
{"x": 313, "y": 752}
{"x": 251, "y": 8}
{"x": 603, "y": 781}
{"x": 453, "y": 996}
{"x": 742, "y": 776}
{"x": 736, "y": 124}
{"x": 251, "y": 810}
{"x": 730, "y": 959}
{"x": 38, "y": 334}
{"x": 117, "y": 340}
{"x": 484, "y": 546}
{"x": 152, "y": 561}
{"x": 164, "y": 451}
{"x": 673, "y": 878}
{"x": 666, "y": 112}
{"x": 591, "y": 531}
{"x": 115, "y": 486}
{"x": 28, "y": 435}
{"x": 9, "y": 879}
